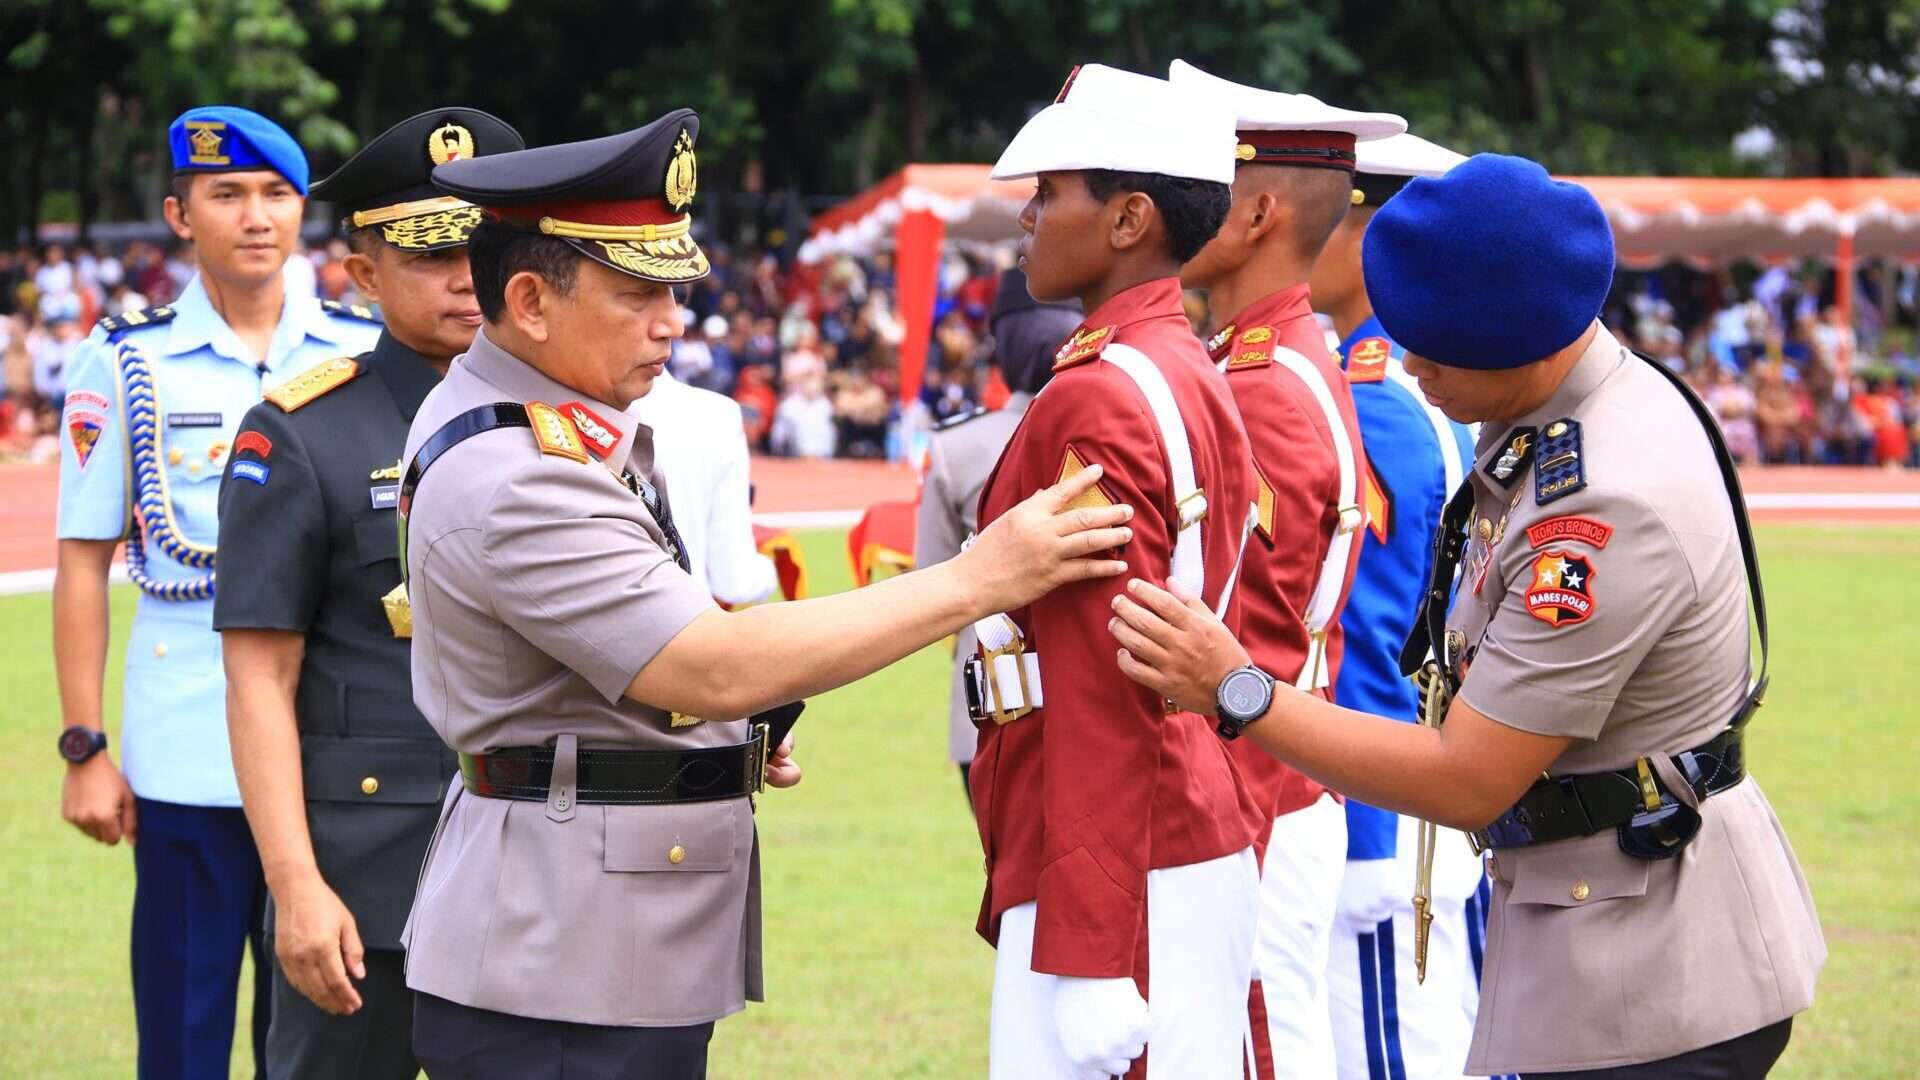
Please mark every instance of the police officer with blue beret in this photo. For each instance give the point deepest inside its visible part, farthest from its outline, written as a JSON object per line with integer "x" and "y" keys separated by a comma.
{"x": 1588, "y": 694}
{"x": 340, "y": 774}
{"x": 1392, "y": 1014}
{"x": 147, "y": 429}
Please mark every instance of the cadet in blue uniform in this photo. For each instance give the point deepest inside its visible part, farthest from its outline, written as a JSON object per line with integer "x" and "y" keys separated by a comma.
{"x": 154, "y": 399}
{"x": 341, "y": 775}
{"x": 1384, "y": 1024}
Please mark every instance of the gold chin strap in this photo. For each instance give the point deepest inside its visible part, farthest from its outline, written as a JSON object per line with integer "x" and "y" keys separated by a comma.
{"x": 363, "y": 218}
{"x": 645, "y": 233}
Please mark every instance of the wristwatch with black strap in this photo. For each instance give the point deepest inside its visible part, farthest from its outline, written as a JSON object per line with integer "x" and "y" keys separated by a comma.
{"x": 79, "y": 743}
{"x": 1241, "y": 698}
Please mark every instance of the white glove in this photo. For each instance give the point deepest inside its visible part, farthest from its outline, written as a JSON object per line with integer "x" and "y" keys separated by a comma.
{"x": 1102, "y": 1024}
{"x": 1370, "y": 892}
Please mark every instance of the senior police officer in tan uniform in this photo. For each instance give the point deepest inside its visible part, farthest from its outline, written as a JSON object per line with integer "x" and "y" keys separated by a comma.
{"x": 590, "y": 903}
{"x": 962, "y": 455}
{"x": 1649, "y": 918}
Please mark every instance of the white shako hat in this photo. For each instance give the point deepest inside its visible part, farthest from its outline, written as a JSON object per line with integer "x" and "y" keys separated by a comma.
{"x": 1274, "y": 128}
{"x": 1386, "y": 165}
{"x": 1105, "y": 118}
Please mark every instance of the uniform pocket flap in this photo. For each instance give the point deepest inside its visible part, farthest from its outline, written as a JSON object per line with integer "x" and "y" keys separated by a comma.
{"x": 361, "y": 770}
{"x": 1574, "y": 873}
{"x": 674, "y": 837}
{"x": 376, "y": 536}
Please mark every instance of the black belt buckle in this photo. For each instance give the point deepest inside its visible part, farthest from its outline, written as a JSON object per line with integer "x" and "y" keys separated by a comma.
{"x": 973, "y": 680}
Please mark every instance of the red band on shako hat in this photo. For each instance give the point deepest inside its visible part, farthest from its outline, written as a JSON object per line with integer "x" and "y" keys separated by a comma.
{"x": 1321, "y": 149}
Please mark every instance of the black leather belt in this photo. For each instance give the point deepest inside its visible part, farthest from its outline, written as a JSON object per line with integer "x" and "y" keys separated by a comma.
{"x": 1566, "y": 807}
{"x": 624, "y": 777}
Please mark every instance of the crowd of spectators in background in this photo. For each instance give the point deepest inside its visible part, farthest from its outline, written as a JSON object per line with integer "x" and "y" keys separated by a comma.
{"x": 812, "y": 352}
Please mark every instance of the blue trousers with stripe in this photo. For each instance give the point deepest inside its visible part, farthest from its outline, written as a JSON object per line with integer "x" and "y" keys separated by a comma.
{"x": 199, "y": 899}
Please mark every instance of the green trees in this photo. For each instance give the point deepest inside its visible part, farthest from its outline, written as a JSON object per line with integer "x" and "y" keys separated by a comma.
{"x": 820, "y": 96}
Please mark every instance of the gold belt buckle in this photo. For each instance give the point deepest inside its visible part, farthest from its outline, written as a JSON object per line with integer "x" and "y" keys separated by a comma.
{"x": 761, "y": 733}
{"x": 1016, "y": 650}
{"x": 1186, "y": 512}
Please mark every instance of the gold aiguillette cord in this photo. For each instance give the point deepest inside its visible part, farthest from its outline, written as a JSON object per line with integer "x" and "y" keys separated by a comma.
{"x": 1434, "y": 699}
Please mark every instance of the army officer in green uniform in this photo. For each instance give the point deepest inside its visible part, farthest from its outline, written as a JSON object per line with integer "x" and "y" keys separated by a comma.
{"x": 339, "y": 774}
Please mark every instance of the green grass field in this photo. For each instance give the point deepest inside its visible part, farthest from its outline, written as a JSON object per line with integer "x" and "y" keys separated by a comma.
{"x": 872, "y": 868}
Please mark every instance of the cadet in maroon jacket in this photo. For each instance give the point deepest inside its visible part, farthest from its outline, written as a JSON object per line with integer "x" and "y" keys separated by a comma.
{"x": 1106, "y": 867}
{"x": 1292, "y": 186}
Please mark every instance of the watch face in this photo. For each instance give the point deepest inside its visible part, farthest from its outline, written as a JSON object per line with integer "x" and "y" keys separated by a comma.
{"x": 75, "y": 744}
{"x": 1244, "y": 694}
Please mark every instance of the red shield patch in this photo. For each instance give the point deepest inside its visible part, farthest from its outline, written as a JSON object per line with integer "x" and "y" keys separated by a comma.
{"x": 1367, "y": 362}
{"x": 1561, "y": 591}
{"x": 253, "y": 442}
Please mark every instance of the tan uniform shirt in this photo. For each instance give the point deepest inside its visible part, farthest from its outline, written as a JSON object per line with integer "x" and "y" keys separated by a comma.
{"x": 959, "y": 460}
{"x": 540, "y": 587}
{"x": 1616, "y": 615}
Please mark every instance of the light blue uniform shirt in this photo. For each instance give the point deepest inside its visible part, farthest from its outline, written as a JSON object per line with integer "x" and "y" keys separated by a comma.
{"x": 1418, "y": 458}
{"x": 173, "y": 735}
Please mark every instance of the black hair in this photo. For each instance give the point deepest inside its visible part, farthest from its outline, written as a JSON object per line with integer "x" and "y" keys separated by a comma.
{"x": 364, "y": 241}
{"x": 1193, "y": 209}
{"x": 1320, "y": 198}
{"x": 497, "y": 252}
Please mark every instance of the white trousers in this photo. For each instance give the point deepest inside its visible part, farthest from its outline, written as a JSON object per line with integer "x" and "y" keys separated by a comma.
{"x": 1387, "y": 1024}
{"x": 1200, "y": 925}
{"x": 1299, "y": 893}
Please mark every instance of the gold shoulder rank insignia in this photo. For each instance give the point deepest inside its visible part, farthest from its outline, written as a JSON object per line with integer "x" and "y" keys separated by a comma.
{"x": 321, "y": 378}
{"x": 555, "y": 433}
{"x": 349, "y": 311}
{"x": 1252, "y": 358}
{"x": 152, "y": 316}
{"x": 1082, "y": 347}
{"x": 1259, "y": 335}
{"x": 1093, "y": 497}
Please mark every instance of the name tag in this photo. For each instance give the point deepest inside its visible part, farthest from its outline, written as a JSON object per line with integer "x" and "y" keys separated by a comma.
{"x": 194, "y": 419}
{"x": 385, "y": 497}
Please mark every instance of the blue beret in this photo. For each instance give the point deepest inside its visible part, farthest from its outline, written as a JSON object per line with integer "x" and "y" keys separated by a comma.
{"x": 1491, "y": 266}
{"x": 227, "y": 138}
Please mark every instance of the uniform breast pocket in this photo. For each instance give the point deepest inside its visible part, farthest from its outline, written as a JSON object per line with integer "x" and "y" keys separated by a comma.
{"x": 376, "y": 537}
{"x": 677, "y": 837}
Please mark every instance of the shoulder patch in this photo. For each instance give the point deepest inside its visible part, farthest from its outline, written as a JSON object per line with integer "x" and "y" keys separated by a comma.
{"x": 1367, "y": 360}
{"x": 1252, "y": 349}
{"x": 311, "y": 384}
{"x": 1082, "y": 346}
{"x": 152, "y": 316}
{"x": 350, "y": 311}
{"x": 1561, "y": 590}
{"x": 554, "y": 433}
{"x": 1094, "y": 496}
{"x": 1584, "y": 529}
{"x": 1561, "y": 471}
{"x": 1514, "y": 457}
{"x": 960, "y": 418}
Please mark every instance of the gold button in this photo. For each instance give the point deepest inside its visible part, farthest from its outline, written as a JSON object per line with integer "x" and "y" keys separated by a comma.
{"x": 194, "y": 466}
{"x": 676, "y": 854}
{"x": 370, "y": 785}
{"x": 174, "y": 456}
{"x": 1486, "y": 529}
{"x": 159, "y": 649}
{"x": 1580, "y": 890}
{"x": 1554, "y": 431}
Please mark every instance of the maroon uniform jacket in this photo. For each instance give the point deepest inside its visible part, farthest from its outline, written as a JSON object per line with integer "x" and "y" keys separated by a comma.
{"x": 1298, "y": 478}
{"x": 1077, "y": 800}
